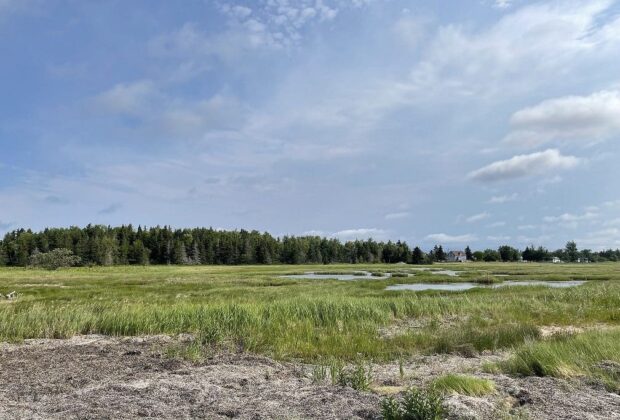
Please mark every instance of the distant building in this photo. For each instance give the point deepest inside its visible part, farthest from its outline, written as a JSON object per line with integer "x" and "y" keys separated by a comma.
{"x": 556, "y": 260}
{"x": 456, "y": 256}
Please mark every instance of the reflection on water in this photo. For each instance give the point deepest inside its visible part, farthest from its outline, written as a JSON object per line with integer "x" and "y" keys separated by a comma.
{"x": 466, "y": 285}
{"x": 324, "y": 276}
{"x": 450, "y": 273}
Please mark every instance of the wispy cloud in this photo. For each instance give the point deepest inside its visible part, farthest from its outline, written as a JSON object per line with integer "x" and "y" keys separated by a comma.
{"x": 500, "y": 199}
{"x": 569, "y": 217}
{"x": 446, "y": 238}
{"x": 502, "y": 4}
{"x": 478, "y": 217}
{"x": 360, "y": 233}
{"x": 524, "y": 165}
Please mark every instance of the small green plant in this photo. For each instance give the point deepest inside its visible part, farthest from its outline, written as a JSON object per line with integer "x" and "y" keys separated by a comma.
{"x": 360, "y": 378}
{"x": 417, "y": 404}
{"x": 319, "y": 373}
{"x": 401, "y": 368}
{"x": 357, "y": 377}
{"x": 390, "y": 409}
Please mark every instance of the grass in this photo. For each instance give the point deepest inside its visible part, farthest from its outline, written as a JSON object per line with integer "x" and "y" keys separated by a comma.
{"x": 252, "y": 308}
{"x": 464, "y": 384}
{"x": 593, "y": 354}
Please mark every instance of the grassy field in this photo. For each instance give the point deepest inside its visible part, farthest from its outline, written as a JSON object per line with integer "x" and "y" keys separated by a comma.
{"x": 253, "y": 308}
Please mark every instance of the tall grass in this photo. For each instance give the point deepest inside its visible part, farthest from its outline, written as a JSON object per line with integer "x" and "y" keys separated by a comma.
{"x": 594, "y": 354}
{"x": 252, "y": 308}
{"x": 464, "y": 384}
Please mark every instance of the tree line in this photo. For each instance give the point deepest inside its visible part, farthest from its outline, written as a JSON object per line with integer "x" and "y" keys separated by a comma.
{"x": 106, "y": 245}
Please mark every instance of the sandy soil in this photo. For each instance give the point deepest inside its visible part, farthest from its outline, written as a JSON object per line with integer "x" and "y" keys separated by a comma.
{"x": 101, "y": 377}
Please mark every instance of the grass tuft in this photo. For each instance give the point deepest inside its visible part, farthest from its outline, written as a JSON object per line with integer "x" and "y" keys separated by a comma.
{"x": 594, "y": 354}
{"x": 464, "y": 385}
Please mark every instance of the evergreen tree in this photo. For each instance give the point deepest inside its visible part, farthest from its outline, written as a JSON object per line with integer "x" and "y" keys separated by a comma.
{"x": 572, "y": 253}
{"x": 417, "y": 256}
{"x": 440, "y": 255}
{"x": 179, "y": 254}
{"x": 468, "y": 254}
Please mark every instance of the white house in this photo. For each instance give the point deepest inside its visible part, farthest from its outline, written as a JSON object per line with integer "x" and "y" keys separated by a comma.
{"x": 556, "y": 260}
{"x": 456, "y": 256}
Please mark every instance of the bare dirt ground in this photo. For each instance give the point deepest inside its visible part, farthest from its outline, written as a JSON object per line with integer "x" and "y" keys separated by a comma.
{"x": 102, "y": 377}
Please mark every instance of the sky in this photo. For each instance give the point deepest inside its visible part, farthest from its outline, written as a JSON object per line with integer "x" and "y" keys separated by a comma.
{"x": 480, "y": 123}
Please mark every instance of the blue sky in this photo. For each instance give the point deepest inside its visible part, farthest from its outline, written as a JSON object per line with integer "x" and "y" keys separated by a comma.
{"x": 482, "y": 122}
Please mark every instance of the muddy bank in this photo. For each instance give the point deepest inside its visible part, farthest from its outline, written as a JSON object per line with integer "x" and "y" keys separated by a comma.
{"x": 100, "y": 377}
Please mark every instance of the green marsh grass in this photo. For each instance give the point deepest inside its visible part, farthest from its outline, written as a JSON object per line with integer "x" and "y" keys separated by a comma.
{"x": 593, "y": 354}
{"x": 252, "y": 308}
{"x": 464, "y": 385}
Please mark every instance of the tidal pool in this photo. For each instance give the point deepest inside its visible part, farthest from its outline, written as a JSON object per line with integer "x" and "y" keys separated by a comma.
{"x": 450, "y": 273}
{"x": 467, "y": 285}
{"x": 325, "y": 276}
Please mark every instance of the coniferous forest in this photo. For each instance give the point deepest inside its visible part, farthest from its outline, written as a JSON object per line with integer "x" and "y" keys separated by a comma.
{"x": 105, "y": 245}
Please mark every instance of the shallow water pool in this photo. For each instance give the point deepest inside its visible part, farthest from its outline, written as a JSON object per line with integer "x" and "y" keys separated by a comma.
{"x": 418, "y": 287}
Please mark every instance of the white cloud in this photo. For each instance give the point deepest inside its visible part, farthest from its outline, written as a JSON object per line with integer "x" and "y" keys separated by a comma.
{"x": 502, "y": 4}
{"x": 269, "y": 26}
{"x": 611, "y": 203}
{"x": 445, "y": 238}
{"x": 527, "y": 227}
{"x": 478, "y": 217}
{"x": 569, "y": 217}
{"x": 585, "y": 118}
{"x": 399, "y": 215}
{"x": 236, "y": 11}
{"x": 524, "y": 165}
{"x": 524, "y": 50}
{"x": 601, "y": 239}
{"x": 500, "y": 199}
{"x": 360, "y": 233}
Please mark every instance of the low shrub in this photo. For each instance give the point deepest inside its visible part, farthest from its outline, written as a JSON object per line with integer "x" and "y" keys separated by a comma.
{"x": 417, "y": 404}
{"x": 357, "y": 377}
{"x": 55, "y": 259}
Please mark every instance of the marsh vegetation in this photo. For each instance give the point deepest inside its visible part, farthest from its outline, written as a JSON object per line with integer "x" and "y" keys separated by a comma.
{"x": 339, "y": 327}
